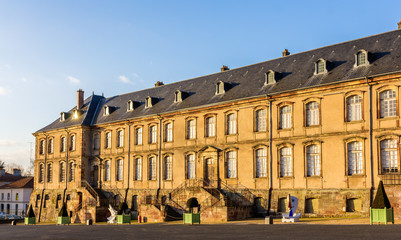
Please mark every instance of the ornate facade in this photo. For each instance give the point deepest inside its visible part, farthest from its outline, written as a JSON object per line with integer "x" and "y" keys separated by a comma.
{"x": 321, "y": 125}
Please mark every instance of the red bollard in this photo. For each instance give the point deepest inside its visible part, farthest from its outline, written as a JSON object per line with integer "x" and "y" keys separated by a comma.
{"x": 139, "y": 219}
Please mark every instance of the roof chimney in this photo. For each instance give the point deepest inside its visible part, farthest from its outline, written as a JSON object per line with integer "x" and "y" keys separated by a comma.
{"x": 399, "y": 25}
{"x": 80, "y": 98}
{"x": 224, "y": 68}
{"x": 158, "y": 83}
{"x": 286, "y": 53}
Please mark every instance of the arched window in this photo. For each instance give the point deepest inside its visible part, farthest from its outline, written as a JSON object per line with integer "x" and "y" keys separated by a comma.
{"x": 107, "y": 170}
{"x": 388, "y": 104}
{"x": 313, "y": 160}
{"x": 42, "y": 147}
{"x": 361, "y": 58}
{"x": 260, "y": 120}
{"x": 49, "y": 172}
{"x": 120, "y": 168}
{"x": 231, "y": 124}
{"x": 312, "y": 114}
{"x": 261, "y": 163}
{"x": 130, "y": 106}
{"x": 231, "y": 158}
{"x": 285, "y": 162}
{"x": 153, "y": 134}
{"x": 63, "y": 143}
{"x": 138, "y": 169}
{"x": 270, "y": 78}
{"x": 389, "y": 156}
{"x": 220, "y": 88}
{"x": 62, "y": 171}
{"x": 168, "y": 167}
{"x": 355, "y": 158}
{"x": 191, "y": 166}
{"x": 120, "y": 138}
{"x": 71, "y": 171}
{"x": 51, "y": 145}
{"x": 168, "y": 131}
{"x": 191, "y": 129}
{"x": 41, "y": 172}
{"x": 152, "y": 168}
{"x": 320, "y": 66}
{"x": 72, "y": 145}
{"x": 210, "y": 126}
{"x": 286, "y": 117}
{"x": 138, "y": 136}
{"x": 107, "y": 140}
{"x": 354, "y": 108}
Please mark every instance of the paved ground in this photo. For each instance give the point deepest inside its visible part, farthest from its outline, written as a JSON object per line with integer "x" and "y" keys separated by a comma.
{"x": 236, "y": 230}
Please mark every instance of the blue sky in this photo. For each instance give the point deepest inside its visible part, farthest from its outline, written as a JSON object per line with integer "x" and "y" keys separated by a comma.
{"x": 50, "y": 49}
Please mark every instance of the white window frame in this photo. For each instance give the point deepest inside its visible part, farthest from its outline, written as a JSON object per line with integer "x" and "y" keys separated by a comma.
{"x": 63, "y": 144}
{"x": 62, "y": 171}
{"x": 191, "y": 129}
{"x": 261, "y": 162}
{"x": 120, "y": 138}
{"x": 71, "y": 175}
{"x": 191, "y": 174}
{"x": 107, "y": 170}
{"x": 211, "y": 126}
{"x": 231, "y": 158}
{"x": 260, "y": 120}
{"x": 120, "y": 170}
{"x": 73, "y": 142}
{"x": 286, "y": 162}
{"x": 168, "y": 129}
{"x": 153, "y": 134}
{"x": 355, "y": 157}
{"x": 138, "y": 136}
{"x": 107, "y": 140}
{"x": 231, "y": 124}
{"x": 286, "y": 117}
{"x": 313, "y": 160}
{"x": 388, "y": 103}
{"x": 389, "y": 156}
{"x": 312, "y": 113}
{"x": 152, "y": 168}
{"x": 51, "y": 145}
{"x": 168, "y": 168}
{"x": 354, "y": 108}
{"x": 138, "y": 169}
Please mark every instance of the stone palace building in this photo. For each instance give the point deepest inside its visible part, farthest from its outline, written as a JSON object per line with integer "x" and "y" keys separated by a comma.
{"x": 322, "y": 125}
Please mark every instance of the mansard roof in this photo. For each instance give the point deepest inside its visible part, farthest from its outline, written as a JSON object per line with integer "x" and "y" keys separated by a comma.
{"x": 296, "y": 72}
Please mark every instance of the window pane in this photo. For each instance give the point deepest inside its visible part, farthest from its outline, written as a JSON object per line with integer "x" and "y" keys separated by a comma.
{"x": 355, "y": 158}
{"x": 231, "y": 124}
{"x": 389, "y": 155}
{"x": 231, "y": 164}
{"x": 138, "y": 169}
{"x": 285, "y": 117}
{"x": 168, "y": 165}
{"x": 261, "y": 120}
{"x": 210, "y": 126}
{"x": 191, "y": 166}
{"x": 313, "y": 158}
{"x": 388, "y": 104}
{"x": 312, "y": 114}
{"x": 261, "y": 170}
{"x": 286, "y": 162}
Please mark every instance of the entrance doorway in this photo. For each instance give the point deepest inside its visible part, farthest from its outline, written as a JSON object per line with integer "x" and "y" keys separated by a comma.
{"x": 210, "y": 171}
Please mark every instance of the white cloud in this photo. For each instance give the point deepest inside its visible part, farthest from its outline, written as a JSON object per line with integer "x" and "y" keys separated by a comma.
{"x": 73, "y": 80}
{"x": 4, "y": 91}
{"x": 124, "y": 79}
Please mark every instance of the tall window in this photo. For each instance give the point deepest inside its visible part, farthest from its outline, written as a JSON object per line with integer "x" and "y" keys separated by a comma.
{"x": 120, "y": 138}
{"x": 260, "y": 120}
{"x": 320, "y": 68}
{"x": 62, "y": 144}
{"x": 389, "y": 156}
{"x": 49, "y": 172}
{"x": 138, "y": 169}
{"x": 41, "y": 172}
{"x": 72, "y": 171}
{"x": 231, "y": 164}
{"x": 51, "y": 145}
{"x": 96, "y": 142}
{"x": 191, "y": 166}
{"x": 313, "y": 158}
{"x": 168, "y": 168}
{"x": 285, "y": 162}
{"x": 210, "y": 127}
{"x": 152, "y": 168}
{"x": 312, "y": 114}
{"x": 120, "y": 170}
{"x": 388, "y": 104}
{"x": 361, "y": 58}
{"x": 107, "y": 140}
{"x": 231, "y": 124}
{"x": 107, "y": 170}
{"x": 72, "y": 143}
{"x": 191, "y": 129}
{"x": 153, "y": 134}
{"x": 354, "y": 108}
{"x": 261, "y": 163}
{"x": 62, "y": 171}
{"x": 42, "y": 147}
{"x": 355, "y": 158}
{"x": 168, "y": 131}
{"x": 285, "y": 117}
{"x": 138, "y": 136}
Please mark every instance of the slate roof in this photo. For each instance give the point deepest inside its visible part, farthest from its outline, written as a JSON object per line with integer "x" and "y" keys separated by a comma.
{"x": 295, "y": 72}
{"x": 24, "y": 182}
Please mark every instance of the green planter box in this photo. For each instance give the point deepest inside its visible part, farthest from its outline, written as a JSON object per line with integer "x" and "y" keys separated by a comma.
{"x": 29, "y": 220}
{"x": 381, "y": 215}
{"x": 63, "y": 220}
{"x": 191, "y": 218}
{"x": 122, "y": 219}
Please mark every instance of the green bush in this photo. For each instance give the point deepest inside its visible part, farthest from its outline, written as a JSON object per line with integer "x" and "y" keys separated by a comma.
{"x": 30, "y": 213}
{"x": 121, "y": 209}
{"x": 381, "y": 199}
{"x": 63, "y": 211}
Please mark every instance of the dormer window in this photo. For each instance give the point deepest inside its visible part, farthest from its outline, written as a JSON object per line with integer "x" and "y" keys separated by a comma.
{"x": 75, "y": 114}
{"x": 270, "y": 77}
{"x": 361, "y": 58}
{"x": 62, "y": 116}
{"x": 220, "y": 88}
{"x": 106, "y": 111}
{"x": 130, "y": 106}
{"x": 178, "y": 96}
{"x": 320, "y": 66}
{"x": 148, "y": 102}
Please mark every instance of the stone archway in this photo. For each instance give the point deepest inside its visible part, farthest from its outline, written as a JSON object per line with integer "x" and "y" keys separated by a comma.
{"x": 193, "y": 205}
